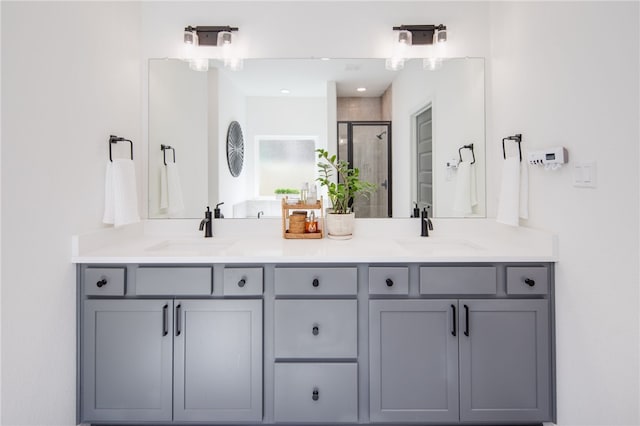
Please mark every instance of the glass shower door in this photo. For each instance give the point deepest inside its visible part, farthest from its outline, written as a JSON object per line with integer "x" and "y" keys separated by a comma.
{"x": 367, "y": 146}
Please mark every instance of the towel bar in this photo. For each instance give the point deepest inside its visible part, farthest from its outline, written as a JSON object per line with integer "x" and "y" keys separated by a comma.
{"x": 115, "y": 139}
{"x": 517, "y": 138}
{"x": 164, "y": 149}
{"x": 470, "y": 146}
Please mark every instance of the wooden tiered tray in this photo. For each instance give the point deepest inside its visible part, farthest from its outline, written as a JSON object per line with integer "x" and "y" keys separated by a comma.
{"x": 286, "y": 207}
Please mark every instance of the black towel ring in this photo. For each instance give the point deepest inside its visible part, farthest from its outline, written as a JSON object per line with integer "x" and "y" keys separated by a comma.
{"x": 115, "y": 139}
{"x": 164, "y": 149}
{"x": 517, "y": 138}
{"x": 470, "y": 146}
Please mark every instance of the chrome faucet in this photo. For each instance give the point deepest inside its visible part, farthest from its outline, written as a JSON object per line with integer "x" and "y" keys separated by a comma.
{"x": 206, "y": 224}
{"x": 426, "y": 223}
{"x": 260, "y": 213}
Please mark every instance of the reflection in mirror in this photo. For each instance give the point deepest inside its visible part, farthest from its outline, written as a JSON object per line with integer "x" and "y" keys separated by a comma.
{"x": 404, "y": 132}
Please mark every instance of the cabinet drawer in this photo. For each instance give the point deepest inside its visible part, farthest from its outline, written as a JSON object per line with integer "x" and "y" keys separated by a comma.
{"x": 316, "y": 329}
{"x": 458, "y": 280}
{"x": 316, "y": 281}
{"x": 527, "y": 280}
{"x": 104, "y": 281}
{"x": 176, "y": 281}
{"x": 384, "y": 280}
{"x": 324, "y": 393}
{"x": 243, "y": 282}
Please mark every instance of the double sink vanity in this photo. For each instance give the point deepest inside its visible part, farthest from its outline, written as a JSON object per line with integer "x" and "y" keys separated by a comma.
{"x": 247, "y": 327}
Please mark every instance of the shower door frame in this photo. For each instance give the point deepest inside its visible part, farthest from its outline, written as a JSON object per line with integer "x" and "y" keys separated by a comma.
{"x": 350, "y": 125}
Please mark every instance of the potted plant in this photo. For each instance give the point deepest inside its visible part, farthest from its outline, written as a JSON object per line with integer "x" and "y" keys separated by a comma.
{"x": 340, "y": 220}
{"x": 283, "y": 192}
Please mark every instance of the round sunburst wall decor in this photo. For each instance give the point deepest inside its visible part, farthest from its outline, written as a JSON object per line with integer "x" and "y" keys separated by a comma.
{"x": 235, "y": 148}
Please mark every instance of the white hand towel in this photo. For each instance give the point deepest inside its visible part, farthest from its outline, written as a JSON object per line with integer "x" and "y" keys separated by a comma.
{"x": 514, "y": 192}
{"x": 164, "y": 196}
{"x": 462, "y": 196}
{"x": 174, "y": 191}
{"x": 474, "y": 186}
{"x": 121, "y": 197}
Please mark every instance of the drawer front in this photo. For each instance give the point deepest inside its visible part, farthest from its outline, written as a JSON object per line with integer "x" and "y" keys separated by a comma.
{"x": 458, "y": 280}
{"x": 326, "y": 393}
{"x": 383, "y": 280}
{"x": 174, "y": 281}
{"x": 316, "y": 329}
{"x": 104, "y": 281}
{"x": 527, "y": 280}
{"x": 243, "y": 282}
{"x": 316, "y": 281}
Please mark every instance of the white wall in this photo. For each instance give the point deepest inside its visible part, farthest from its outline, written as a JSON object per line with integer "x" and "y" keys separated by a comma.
{"x": 561, "y": 78}
{"x": 63, "y": 94}
{"x": 178, "y": 114}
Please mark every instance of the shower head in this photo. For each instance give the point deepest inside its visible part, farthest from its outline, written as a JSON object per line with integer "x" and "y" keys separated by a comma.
{"x": 380, "y": 135}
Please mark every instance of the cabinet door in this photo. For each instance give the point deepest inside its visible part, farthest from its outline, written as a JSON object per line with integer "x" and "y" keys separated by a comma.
{"x": 126, "y": 360}
{"x": 504, "y": 361}
{"x": 218, "y": 360}
{"x": 413, "y": 360}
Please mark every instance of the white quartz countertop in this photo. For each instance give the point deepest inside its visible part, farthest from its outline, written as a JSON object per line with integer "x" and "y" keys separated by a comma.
{"x": 259, "y": 241}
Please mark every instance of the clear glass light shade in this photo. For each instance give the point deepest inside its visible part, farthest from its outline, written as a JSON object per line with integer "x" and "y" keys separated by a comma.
{"x": 190, "y": 38}
{"x": 394, "y": 64}
{"x": 224, "y": 38}
{"x": 200, "y": 64}
{"x": 440, "y": 36}
{"x": 234, "y": 64}
{"x": 432, "y": 64}
{"x": 404, "y": 37}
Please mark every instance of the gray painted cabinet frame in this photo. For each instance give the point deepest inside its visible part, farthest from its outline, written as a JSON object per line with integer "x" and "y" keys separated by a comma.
{"x": 406, "y": 352}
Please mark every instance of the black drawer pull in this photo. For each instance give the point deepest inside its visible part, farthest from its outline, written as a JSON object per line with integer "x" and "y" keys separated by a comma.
{"x": 102, "y": 283}
{"x": 165, "y": 320}
{"x": 315, "y": 282}
{"x": 389, "y": 282}
{"x": 242, "y": 282}
{"x": 466, "y": 314}
{"x": 315, "y": 330}
{"x": 315, "y": 395}
{"x": 453, "y": 315}
{"x": 529, "y": 282}
{"x": 178, "y": 320}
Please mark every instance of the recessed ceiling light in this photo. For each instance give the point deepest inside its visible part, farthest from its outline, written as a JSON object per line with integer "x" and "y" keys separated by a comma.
{"x": 361, "y": 89}
{"x": 285, "y": 91}
{"x": 325, "y": 59}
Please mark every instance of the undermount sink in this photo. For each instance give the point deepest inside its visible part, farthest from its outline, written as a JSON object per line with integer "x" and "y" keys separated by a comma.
{"x": 191, "y": 245}
{"x": 438, "y": 244}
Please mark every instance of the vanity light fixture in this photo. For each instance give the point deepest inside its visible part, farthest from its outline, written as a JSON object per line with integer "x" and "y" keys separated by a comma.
{"x": 421, "y": 34}
{"x": 208, "y": 35}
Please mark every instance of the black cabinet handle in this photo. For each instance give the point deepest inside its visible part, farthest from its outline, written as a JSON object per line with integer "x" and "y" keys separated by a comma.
{"x": 466, "y": 314}
{"x": 178, "y": 327}
{"x": 315, "y": 282}
{"x": 102, "y": 282}
{"x": 529, "y": 282}
{"x": 242, "y": 282}
{"x": 389, "y": 282}
{"x": 315, "y": 395}
{"x": 165, "y": 320}
{"x": 453, "y": 315}
{"x": 315, "y": 330}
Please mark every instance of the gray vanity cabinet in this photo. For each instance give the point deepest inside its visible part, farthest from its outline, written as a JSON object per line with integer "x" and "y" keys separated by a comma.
{"x": 504, "y": 361}
{"x": 413, "y": 361}
{"x": 127, "y": 360}
{"x": 218, "y": 360}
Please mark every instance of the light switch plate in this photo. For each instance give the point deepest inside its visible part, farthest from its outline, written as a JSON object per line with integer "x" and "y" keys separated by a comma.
{"x": 584, "y": 174}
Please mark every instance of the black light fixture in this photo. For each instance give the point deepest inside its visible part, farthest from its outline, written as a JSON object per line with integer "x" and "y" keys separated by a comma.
{"x": 208, "y": 36}
{"x": 421, "y": 34}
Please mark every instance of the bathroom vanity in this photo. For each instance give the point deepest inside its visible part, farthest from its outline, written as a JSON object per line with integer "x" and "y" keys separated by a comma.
{"x": 293, "y": 332}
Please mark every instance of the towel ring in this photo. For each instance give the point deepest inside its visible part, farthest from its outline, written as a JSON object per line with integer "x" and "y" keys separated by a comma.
{"x": 517, "y": 138}
{"x": 115, "y": 139}
{"x": 164, "y": 149}
{"x": 470, "y": 146}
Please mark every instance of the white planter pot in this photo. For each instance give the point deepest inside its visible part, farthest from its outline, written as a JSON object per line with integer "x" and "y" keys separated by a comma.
{"x": 340, "y": 226}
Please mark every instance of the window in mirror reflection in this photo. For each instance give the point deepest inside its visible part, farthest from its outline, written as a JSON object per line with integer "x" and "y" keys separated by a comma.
{"x": 285, "y": 163}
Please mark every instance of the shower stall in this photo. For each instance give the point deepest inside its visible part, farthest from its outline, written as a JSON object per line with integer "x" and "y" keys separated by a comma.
{"x": 366, "y": 145}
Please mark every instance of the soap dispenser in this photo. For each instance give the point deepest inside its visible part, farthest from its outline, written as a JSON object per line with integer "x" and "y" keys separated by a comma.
{"x": 416, "y": 210}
